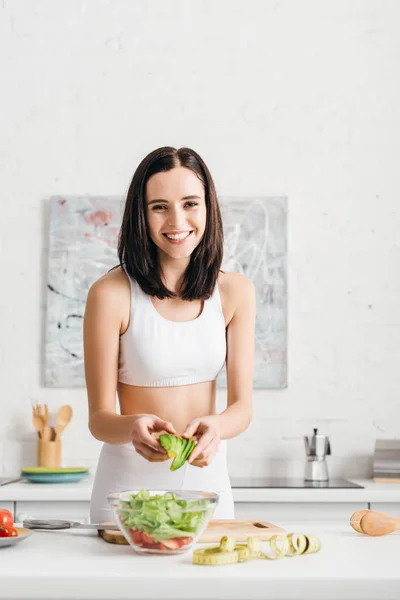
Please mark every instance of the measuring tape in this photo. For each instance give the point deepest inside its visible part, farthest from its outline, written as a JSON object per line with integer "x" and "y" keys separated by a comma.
{"x": 229, "y": 552}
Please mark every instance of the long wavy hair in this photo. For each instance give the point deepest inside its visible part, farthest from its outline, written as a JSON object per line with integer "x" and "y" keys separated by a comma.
{"x": 137, "y": 252}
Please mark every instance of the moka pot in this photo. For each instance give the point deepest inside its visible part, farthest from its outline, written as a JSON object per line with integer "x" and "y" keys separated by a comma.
{"x": 317, "y": 448}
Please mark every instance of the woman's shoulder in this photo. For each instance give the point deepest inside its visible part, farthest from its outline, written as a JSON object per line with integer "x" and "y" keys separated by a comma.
{"x": 232, "y": 282}
{"x": 111, "y": 286}
{"x": 236, "y": 291}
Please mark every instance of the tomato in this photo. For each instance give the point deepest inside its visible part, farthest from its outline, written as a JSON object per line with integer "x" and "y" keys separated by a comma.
{"x": 136, "y": 536}
{"x": 8, "y": 532}
{"x": 155, "y": 546}
{"x": 178, "y": 542}
{"x": 6, "y": 518}
{"x": 171, "y": 544}
{"x": 183, "y": 541}
{"x": 147, "y": 539}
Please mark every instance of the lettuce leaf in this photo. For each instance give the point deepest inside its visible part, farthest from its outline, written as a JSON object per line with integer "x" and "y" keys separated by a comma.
{"x": 163, "y": 516}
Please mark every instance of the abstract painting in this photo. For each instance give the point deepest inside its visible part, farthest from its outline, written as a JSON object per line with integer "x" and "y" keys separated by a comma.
{"x": 83, "y": 238}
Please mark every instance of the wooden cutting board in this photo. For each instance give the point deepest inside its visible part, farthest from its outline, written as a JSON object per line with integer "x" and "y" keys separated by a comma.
{"x": 240, "y": 529}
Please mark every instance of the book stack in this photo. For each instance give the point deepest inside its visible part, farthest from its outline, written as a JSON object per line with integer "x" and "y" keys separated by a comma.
{"x": 386, "y": 465}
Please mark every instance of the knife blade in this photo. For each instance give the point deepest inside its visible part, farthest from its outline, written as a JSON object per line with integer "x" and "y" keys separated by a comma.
{"x": 51, "y": 524}
{"x": 8, "y": 480}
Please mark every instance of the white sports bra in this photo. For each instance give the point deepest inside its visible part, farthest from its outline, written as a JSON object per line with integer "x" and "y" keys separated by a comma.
{"x": 157, "y": 352}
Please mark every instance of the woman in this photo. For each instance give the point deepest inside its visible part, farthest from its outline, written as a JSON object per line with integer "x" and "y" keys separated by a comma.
{"x": 157, "y": 331}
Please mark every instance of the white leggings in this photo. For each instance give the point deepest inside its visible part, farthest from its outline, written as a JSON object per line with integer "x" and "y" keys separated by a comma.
{"x": 121, "y": 468}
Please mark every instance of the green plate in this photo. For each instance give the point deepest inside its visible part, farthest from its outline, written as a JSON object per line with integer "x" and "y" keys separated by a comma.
{"x": 52, "y": 470}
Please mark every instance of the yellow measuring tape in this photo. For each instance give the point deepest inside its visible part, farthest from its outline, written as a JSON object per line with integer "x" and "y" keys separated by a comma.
{"x": 229, "y": 552}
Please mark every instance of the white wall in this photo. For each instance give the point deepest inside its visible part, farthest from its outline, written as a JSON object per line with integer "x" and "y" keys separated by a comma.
{"x": 294, "y": 98}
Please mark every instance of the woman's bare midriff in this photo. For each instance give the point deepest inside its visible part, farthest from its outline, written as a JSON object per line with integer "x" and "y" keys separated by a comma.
{"x": 177, "y": 404}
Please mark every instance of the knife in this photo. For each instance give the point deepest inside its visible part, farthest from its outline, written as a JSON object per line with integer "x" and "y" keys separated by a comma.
{"x": 62, "y": 524}
{"x": 9, "y": 480}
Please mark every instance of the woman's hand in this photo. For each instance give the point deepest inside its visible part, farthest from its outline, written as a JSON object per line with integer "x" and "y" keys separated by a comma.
{"x": 208, "y": 439}
{"x": 145, "y": 433}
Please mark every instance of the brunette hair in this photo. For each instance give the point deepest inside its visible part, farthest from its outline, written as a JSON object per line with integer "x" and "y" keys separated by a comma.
{"x": 137, "y": 252}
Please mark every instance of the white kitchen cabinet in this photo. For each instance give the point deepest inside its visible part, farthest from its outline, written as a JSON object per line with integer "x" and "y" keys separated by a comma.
{"x": 74, "y": 511}
{"x": 278, "y": 512}
{"x": 391, "y": 508}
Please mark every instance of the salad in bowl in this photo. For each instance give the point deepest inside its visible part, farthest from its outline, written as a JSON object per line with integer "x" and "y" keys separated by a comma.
{"x": 162, "y": 521}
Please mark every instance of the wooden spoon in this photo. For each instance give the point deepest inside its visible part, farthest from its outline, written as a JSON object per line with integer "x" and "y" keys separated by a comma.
{"x": 38, "y": 424}
{"x": 64, "y": 415}
{"x": 378, "y": 523}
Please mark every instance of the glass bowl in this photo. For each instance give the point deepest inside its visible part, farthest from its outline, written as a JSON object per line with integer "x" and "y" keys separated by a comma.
{"x": 162, "y": 521}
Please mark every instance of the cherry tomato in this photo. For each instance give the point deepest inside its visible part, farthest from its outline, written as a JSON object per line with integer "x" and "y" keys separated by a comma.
{"x": 6, "y": 518}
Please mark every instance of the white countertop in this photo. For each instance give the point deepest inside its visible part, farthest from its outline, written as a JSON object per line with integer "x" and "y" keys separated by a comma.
{"x": 80, "y": 492}
{"x": 371, "y": 492}
{"x": 81, "y": 566}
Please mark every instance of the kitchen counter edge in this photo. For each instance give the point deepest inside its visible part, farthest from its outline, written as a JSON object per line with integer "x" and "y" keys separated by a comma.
{"x": 81, "y": 491}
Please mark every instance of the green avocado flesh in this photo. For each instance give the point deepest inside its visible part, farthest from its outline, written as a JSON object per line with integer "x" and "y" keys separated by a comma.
{"x": 177, "y": 448}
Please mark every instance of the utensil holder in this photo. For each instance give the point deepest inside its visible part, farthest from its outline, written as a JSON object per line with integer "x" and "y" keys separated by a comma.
{"x": 49, "y": 453}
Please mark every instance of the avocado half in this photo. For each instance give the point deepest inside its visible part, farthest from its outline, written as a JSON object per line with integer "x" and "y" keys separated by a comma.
{"x": 177, "y": 448}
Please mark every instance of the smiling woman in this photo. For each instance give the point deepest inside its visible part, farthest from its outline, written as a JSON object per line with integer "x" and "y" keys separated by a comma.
{"x": 176, "y": 226}
{"x": 158, "y": 329}
{"x": 172, "y": 192}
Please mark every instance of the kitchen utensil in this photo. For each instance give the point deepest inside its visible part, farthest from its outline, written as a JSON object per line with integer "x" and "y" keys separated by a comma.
{"x": 56, "y": 478}
{"x": 64, "y": 415}
{"x": 240, "y": 529}
{"x": 112, "y": 535}
{"x": 317, "y": 448}
{"x": 8, "y": 480}
{"x": 49, "y": 453}
{"x": 40, "y": 416}
{"x": 54, "y": 475}
{"x": 47, "y": 433}
{"x": 38, "y": 424}
{"x": 173, "y": 520}
{"x": 52, "y": 470}
{"x": 378, "y": 523}
{"x": 42, "y": 411}
{"x": 63, "y": 524}
{"x": 23, "y": 533}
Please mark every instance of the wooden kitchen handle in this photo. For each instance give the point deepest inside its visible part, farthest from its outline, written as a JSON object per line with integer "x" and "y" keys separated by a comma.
{"x": 372, "y": 522}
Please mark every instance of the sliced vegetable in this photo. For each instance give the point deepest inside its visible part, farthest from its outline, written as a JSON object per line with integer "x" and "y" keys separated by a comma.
{"x": 177, "y": 448}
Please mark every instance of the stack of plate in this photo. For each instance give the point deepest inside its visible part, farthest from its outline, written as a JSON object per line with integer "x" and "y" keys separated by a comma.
{"x": 54, "y": 474}
{"x": 386, "y": 465}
